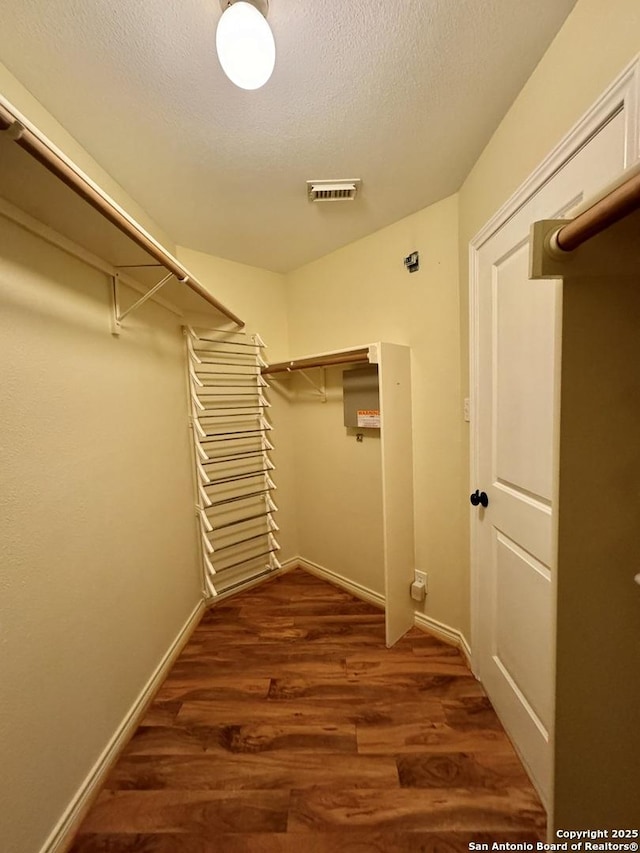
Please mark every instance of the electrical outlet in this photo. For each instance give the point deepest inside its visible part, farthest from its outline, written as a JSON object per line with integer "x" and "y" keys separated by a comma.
{"x": 421, "y": 577}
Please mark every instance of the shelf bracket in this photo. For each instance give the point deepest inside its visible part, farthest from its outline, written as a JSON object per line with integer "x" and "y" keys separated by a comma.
{"x": 320, "y": 389}
{"x": 117, "y": 316}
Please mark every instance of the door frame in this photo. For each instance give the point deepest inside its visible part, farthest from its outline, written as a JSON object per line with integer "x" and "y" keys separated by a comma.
{"x": 623, "y": 95}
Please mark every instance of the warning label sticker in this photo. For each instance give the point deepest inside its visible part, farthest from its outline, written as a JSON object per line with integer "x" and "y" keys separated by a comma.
{"x": 369, "y": 418}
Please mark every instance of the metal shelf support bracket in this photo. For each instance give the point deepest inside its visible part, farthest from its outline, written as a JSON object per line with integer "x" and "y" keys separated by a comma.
{"x": 319, "y": 389}
{"x": 117, "y": 316}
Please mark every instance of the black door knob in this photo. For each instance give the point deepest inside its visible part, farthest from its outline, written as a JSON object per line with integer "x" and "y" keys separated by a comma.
{"x": 479, "y": 498}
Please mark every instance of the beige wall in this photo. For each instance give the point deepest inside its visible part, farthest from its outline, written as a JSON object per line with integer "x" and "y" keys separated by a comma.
{"x": 100, "y": 564}
{"x": 259, "y": 298}
{"x": 97, "y": 532}
{"x": 361, "y": 294}
{"x": 32, "y": 110}
{"x": 99, "y": 551}
{"x": 339, "y": 481}
{"x": 98, "y": 540}
{"x": 596, "y": 42}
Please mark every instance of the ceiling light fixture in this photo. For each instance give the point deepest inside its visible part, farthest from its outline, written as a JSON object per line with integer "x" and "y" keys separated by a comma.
{"x": 244, "y": 41}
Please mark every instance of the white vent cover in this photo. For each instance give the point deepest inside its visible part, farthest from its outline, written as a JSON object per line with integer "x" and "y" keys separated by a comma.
{"x": 333, "y": 190}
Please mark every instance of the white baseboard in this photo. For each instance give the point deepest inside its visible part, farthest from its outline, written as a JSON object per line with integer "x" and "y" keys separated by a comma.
{"x": 62, "y": 834}
{"x": 285, "y": 566}
{"x": 425, "y": 623}
{"x": 354, "y": 588}
{"x": 444, "y": 632}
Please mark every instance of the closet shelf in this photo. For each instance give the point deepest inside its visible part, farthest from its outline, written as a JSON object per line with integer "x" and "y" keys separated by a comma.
{"x": 61, "y": 197}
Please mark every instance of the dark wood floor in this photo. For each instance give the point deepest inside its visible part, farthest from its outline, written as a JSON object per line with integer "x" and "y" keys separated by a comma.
{"x": 286, "y": 726}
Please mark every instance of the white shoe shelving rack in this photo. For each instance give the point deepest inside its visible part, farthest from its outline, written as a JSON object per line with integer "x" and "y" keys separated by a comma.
{"x": 234, "y": 471}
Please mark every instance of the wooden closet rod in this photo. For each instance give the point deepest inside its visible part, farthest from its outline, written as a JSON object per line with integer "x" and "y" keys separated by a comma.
{"x": 76, "y": 181}
{"x": 318, "y": 361}
{"x": 620, "y": 202}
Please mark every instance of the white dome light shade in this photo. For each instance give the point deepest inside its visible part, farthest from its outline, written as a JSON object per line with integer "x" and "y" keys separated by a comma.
{"x": 245, "y": 45}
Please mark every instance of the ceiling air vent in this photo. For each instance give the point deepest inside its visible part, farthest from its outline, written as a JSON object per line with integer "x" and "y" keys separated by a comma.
{"x": 333, "y": 190}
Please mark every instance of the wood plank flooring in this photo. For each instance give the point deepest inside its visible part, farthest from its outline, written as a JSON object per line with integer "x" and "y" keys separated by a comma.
{"x": 287, "y": 726}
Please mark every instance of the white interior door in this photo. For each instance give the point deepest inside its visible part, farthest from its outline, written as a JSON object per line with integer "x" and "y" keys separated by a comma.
{"x": 517, "y": 357}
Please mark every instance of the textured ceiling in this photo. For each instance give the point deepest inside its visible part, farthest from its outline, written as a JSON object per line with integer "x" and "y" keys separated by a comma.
{"x": 401, "y": 94}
